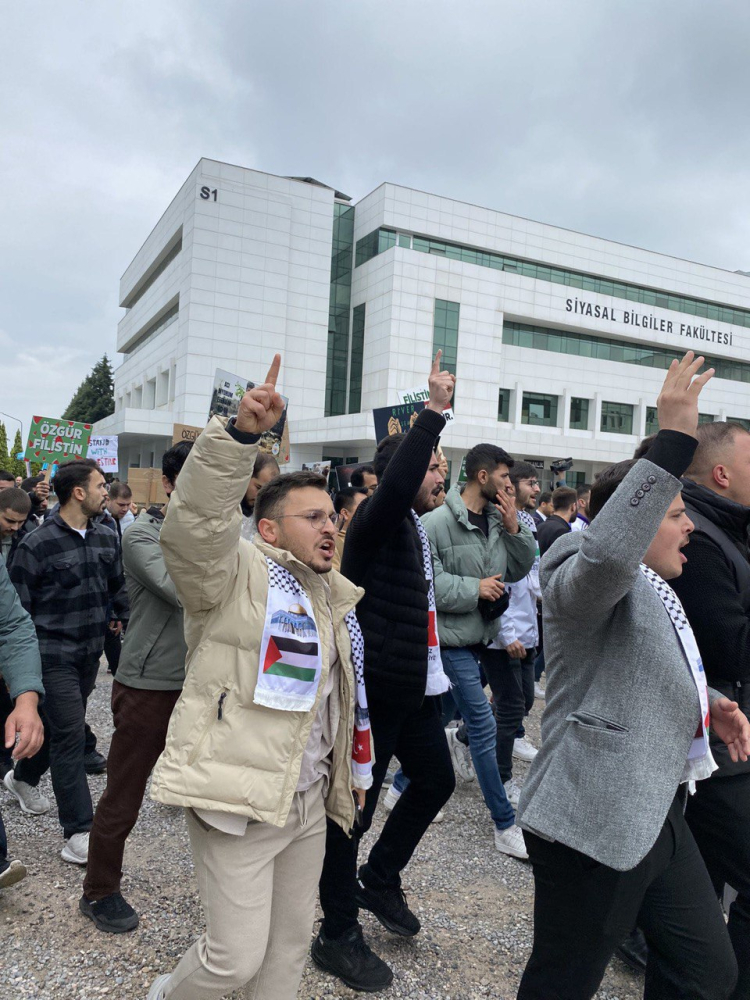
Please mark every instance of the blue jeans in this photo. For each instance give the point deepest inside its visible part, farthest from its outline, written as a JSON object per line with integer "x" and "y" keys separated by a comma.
{"x": 462, "y": 667}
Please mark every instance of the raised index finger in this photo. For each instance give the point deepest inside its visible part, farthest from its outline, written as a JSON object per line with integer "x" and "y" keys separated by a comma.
{"x": 273, "y": 371}
{"x": 436, "y": 363}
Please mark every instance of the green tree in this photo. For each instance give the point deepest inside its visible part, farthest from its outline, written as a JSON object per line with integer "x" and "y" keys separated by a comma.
{"x": 94, "y": 398}
{"x": 4, "y": 459}
{"x": 17, "y": 466}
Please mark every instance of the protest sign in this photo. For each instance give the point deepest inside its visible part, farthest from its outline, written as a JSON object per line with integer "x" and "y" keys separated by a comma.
{"x": 104, "y": 452}
{"x": 146, "y": 486}
{"x": 322, "y": 468}
{"x": 395, "y": 419}
{"x": 52, "y": 440}
{"x": 421, "y": 395}
{"x": 185, "y": 432}
{"x": 462, "y": 473}
{"x": 225, "y": 402}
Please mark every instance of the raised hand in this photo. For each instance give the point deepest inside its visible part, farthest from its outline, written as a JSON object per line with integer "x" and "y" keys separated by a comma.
{"x": 677, "y": 405}
{"x": 261, "y": 407}
{"x": 507, "y": 510}
{"x": 441, "y": 386}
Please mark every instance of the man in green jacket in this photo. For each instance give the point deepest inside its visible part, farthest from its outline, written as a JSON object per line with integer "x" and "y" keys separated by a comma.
{"x": 149, "y": 680}
{"x": 21, "y": 669}
{"x": 477, "y": 546}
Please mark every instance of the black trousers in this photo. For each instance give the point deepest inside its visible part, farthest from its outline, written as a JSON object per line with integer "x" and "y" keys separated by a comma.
{"x": 583, "y": 910}
{"x": 112, "y": 650}
{"x": 512, "y": 685}
{"x": 67, "y": 688}
{"x": 719, "y": 818}
{"x": 417, "y": 739}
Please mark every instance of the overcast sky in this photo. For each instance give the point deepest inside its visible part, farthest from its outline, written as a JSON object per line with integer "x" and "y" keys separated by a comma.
{"x": 629, "y": 121}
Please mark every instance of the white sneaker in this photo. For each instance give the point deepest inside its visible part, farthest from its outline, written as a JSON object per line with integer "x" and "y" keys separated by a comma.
{"x": 157, "y": 988}
{"x": 30, "y": 799}
{"x": 76, "y": 849}
{"x": 461, "y": 756}
{"x": 510, "y": 841}
{"x": 513, "y": 791}
{"x": 15, "y": 871}
{"x": 539, "y": 691}
{"x": 523, "y": 750}
{"x": 391, "y": 798}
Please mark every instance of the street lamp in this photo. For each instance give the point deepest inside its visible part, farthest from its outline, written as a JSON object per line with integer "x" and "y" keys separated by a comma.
{"x": 11, "y": 417}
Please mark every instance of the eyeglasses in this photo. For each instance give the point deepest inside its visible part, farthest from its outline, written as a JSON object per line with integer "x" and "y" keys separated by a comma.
{"x": 317, "y": 518}
{"x": 531, "y": 482}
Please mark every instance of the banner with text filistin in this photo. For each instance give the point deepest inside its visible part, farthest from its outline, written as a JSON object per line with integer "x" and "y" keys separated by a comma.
{"x": 53, "y": 440}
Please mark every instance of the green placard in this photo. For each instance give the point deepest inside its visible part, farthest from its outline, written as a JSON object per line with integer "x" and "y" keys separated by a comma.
{"x": 54, "y": 440}
{"x": 462, "y": 473}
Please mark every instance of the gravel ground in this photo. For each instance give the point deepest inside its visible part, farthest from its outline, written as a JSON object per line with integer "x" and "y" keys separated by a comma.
{"x": 475, "y": 906}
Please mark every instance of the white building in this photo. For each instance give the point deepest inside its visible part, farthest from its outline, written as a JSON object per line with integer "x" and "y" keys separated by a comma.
{"x": 559, "y": 340}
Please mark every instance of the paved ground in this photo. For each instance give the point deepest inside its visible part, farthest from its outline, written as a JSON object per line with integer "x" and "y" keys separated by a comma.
{"x": 474, "y": 904}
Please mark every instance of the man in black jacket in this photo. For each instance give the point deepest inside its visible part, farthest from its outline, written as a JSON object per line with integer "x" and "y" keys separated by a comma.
{"x": 715, "y": 591}
{"x": 565, "y": 507}
{"x": 388, "y": 554}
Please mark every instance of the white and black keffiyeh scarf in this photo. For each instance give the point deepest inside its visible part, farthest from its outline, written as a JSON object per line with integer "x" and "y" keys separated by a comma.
{"x": 437, "y": 682}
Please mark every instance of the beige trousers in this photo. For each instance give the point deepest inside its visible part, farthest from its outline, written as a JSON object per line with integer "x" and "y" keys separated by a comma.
{"x": 258, "y": 893}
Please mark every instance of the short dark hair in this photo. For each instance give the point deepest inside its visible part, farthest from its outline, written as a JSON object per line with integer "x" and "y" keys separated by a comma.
{"x": 522, "y": 470}
{"x": 582, "y": 490}
{"x": 713, "y": 439}
{"x": 30, "y": 483}
{"x": 487, "y": 457}
{"x": 606, "y": 483}
{"x": 357, "y": 477}
{"x": 6, "y": 477}
{"x": 173, "y": 460}
{"x": 270, "y": 498}
{"x": 15, "y": 499}
{"x": 72, "y": 474}
{"x": 384, "y": 453}
{"x": 563, "y": 498}
{"x": 344, "y": 499}
{"x": 120, "y": 491}
{"x": 545, "y": 497}
{"x": 643, "y": 448}
{"x": 265, "y": 460}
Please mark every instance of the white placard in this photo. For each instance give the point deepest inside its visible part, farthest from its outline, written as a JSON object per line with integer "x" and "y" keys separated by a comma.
{"x": 104, "y": 451}
{"x": 421, "y": 395}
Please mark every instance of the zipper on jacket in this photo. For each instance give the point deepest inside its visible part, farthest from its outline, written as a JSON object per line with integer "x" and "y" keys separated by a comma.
{"x": 220, "y": 712}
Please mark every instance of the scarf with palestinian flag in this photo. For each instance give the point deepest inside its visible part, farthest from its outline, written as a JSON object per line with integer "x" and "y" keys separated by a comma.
{"x": 437, "y": 682}
{"x": 291, "y": 662}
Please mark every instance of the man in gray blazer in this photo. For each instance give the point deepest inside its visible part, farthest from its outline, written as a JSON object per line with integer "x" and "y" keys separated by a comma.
{"x": 623, "y": 731}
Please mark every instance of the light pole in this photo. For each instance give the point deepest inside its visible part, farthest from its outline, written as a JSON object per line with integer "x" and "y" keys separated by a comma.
{"x": 11, "y": 417}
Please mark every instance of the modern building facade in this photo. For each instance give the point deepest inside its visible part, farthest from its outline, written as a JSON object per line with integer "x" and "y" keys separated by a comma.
{"x": 559, "y": 340}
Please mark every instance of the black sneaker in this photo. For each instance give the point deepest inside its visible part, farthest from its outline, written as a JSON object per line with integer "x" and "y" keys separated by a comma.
{"x": 111, "y": 914}
{"x": 94, "y": 762}
{"x": 352, "y": 960}
{"x": 388, "y": 904}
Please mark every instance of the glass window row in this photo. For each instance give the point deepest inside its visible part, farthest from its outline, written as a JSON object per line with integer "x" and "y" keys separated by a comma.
{"x": 585, "y": 345}
{"x": 382, "y": 239}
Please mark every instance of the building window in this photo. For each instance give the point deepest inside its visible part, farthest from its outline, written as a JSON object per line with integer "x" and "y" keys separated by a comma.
{"x": 652, "y": 423}
{"x": 374, "y": 243}
{"x": 742, "y": 421}
{"x": 706, "y": 418}
{"x": 404, "y": 240}
{"x": 338, "y": 309}
{"x": 584, "y": 345}
{"x": 162, "y": 389}
{"x": 380, "y": 240}
{"x": 158, "y": 268}
{"x": 617, "y": 418}
{"x": 538, "y": 410}
{"x": 503, "y": 405}
{"x": 158, "y": 326}
{"x": 579, "y": 414}
{"x": 445, "y": 333}
{"x": 356, "y": 359}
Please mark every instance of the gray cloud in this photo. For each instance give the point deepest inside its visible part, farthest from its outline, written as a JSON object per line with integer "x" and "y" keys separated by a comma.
{"x": 626, "y": 121}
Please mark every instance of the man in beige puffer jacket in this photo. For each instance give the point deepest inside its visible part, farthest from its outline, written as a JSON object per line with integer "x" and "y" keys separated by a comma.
{"x": 256, "y": 781}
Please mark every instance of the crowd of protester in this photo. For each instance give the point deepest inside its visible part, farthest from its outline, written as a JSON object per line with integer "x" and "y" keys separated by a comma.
{"x": 277, "y": 649}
